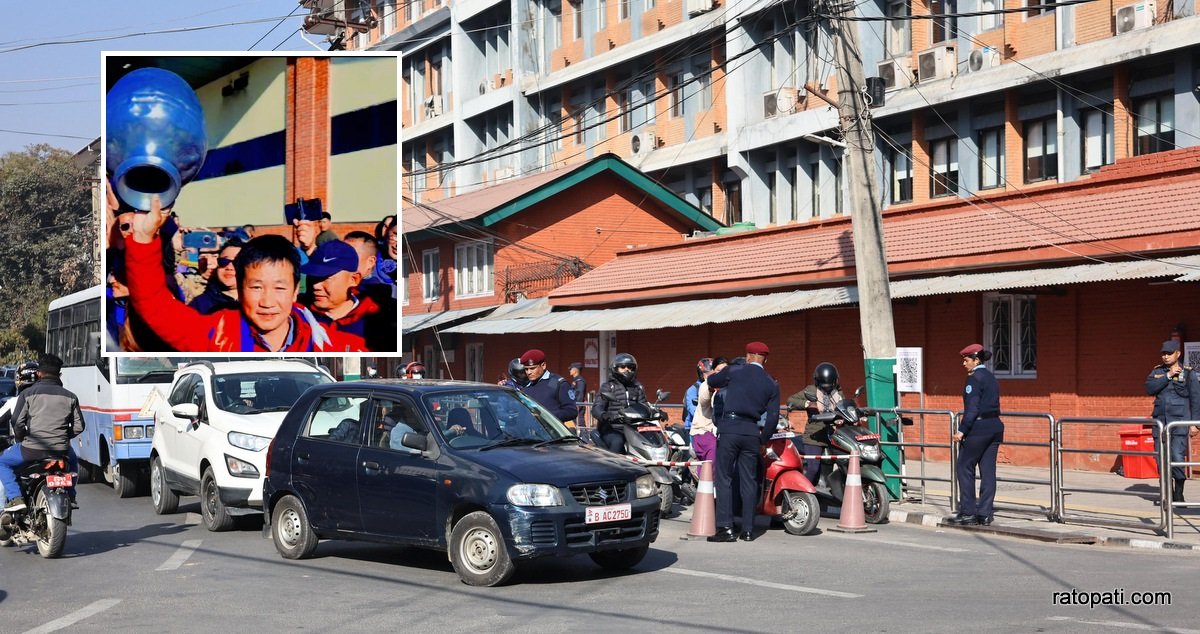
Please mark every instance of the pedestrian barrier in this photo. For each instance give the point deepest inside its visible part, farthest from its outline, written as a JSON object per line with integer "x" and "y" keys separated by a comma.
{"x": 1051, "y": 509}
{"x": 1060, "y": 490}
{"x": 922, "y": 445}
{"x": 1169, "y": 505}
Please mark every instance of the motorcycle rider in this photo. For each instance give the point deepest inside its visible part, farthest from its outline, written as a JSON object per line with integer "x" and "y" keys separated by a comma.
{"x": 822, "y": 396}
{"x": 620, "y": 391}
{"x": 414, "y": 370}
{"x": 45, "y": 419}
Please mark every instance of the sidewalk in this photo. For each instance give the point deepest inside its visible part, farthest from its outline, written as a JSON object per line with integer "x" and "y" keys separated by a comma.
{"x": 1022, "y": 508}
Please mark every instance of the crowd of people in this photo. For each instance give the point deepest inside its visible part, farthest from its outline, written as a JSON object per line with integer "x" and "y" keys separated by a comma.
{"x": 189, "y": 289}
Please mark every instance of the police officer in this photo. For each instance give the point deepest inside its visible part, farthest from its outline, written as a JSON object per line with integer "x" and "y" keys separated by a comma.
{"x": 751, "y": 395}
{"x": 1176, "y": 392}
{"x": 578, "y": 391}
{"x": 547, "y": 388}
{"x": 979, "y": 434}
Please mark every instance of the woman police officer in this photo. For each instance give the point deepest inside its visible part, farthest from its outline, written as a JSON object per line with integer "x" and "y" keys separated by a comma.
{"x": 979, "y": 435}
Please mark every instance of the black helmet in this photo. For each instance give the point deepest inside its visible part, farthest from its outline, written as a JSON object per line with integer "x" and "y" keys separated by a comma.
{"x": 26, "y": 374}
{"x": 825, "y": 377}
{"x": 702, "y": 366}
{"x": 516, "y": 371}
{"x": 624, "y": 358}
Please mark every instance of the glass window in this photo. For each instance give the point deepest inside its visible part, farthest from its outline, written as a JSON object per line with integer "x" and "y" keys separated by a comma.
{"x": 944, "y": 28}
{"x": 602, "y": 15}
{"x": 703, "y": 76}
{"x": 943, "y": 178}
{"x": 991, "y": 158}
{"x": 1097, "y": 139}
{"x": 902, "y": 175}
{"x": 182, "y": 390}
{"x": 994, "y": 20}
{"x": 391, "y": 419}
{"x": 772, "y": 196}
{"x": 623, "y": 9}
{"x": 704, "y": 195}
{"x": 430, "y": 270}
{"x": 626, "y": 100}
{"x": 1041, "y": 150}
{"x": 1155, "y": 127}
{"x": 477, "y": 418}
{"x": 257, "y": 393}
{"x": 473, "y": 274}
{"x": 338, "y": 418}
{"x": 556, "y": 26}
{"x": 676, "y": 87}
{"x": 1033, "y": 13}
{"x": 899, "y": 34}
{"x": 1010, "y": 329}
{"x": 474, "y": 365}
{"x": 577, "y": 19}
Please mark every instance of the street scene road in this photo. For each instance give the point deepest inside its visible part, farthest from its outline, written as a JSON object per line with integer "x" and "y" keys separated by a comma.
{"x": 126, "y": 568}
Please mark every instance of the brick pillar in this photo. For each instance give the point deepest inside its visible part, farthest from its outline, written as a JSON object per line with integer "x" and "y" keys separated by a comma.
{"x": 921, "y": 161}
{"x": 1014, "y": 150}
{"x": 1122, "y": 117}
{"x": 308, "y": 128}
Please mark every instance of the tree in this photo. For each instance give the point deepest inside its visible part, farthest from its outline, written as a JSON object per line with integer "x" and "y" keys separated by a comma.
{"x": 47, "y": 239}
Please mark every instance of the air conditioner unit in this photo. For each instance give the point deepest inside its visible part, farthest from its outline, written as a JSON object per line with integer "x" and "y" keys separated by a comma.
{"x": 936, "y": 63}
{"x": 895, "y": 73}
{"x": 1135, "y": 16}
{"x": 433, "y": 106}
{"x": 981, "y": 58}
{"x": 696, "y": 7}
{"x": 643, "y": 142}
{"x": 781, "y": 102}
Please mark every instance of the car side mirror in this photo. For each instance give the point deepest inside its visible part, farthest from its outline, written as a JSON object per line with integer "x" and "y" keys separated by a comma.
{"x": 858, "y": 391}
{"x": 414, "y": 440}
{"x": 661, "y": 395}
{"x": 189, "y": 411}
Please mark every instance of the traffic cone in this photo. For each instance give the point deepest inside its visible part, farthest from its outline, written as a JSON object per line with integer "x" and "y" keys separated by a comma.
{"x": 853, "y": 518}
{"x": 704, "y": 518}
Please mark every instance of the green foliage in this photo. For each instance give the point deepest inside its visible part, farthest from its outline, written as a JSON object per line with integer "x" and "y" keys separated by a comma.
{"x": 47, "y": 241}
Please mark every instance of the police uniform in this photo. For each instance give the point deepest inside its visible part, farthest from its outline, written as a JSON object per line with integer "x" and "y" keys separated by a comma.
{"x": 579, "y": 394}
{"x": 750, "y": 395}
{"x": 982, "y": 433}
{"x": 1175, "y": 398}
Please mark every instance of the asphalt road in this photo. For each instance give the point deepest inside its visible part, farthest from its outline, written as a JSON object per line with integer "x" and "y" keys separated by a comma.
{"x": 128, "y": 569}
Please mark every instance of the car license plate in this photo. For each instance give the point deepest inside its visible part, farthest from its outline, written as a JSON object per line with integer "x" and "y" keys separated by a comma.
{"x": 58, "y": 481}
{"x": 613, "y": 513}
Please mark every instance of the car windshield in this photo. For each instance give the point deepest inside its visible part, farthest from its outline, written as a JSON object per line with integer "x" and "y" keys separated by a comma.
{"x": 255, "y": 393}
{"x": 8, "y": 387}
{"x": 484, "y": 418}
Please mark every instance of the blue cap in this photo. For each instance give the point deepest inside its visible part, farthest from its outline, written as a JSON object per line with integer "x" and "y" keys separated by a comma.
{"x": 330, "y": 258}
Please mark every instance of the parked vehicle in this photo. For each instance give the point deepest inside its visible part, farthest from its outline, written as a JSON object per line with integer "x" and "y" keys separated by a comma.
{"x": 683, "y": 480}
{"x": 47, "y": 514}
{"x": 845, "y": 435}
{"x": 8, "y": 390}
{"x": 645, "y": 440}
{"x": 213, "y": 432}
{"x": 786, "y": 494}
{"x": 480, "y": 471}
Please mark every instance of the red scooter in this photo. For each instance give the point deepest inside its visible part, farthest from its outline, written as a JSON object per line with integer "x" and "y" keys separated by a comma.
{"x": 786, "y": 493}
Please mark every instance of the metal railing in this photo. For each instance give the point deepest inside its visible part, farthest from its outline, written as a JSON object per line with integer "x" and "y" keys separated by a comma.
{"x": 1061, "y": 490}
{"x": 1169, "y": 505}
{"x": 1052, "y": 458}
{"x": 922, "y": 445}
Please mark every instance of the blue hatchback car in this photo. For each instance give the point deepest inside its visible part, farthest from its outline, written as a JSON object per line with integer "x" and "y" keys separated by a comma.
{"x": 477, "y": 470}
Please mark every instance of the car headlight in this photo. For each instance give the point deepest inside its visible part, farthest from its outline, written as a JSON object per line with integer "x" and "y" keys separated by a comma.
{"x": 870, "y": 452}
{"x": 240, "y": 468}
{"x": 149, "y": 431}
{"x": 534, "y": 495}
{"x": 134, "y": 432}
{"x": 248, "y": 442}
{"x": 646, "y": 488}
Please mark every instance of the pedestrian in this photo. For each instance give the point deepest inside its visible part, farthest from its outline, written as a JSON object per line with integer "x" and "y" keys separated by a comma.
{"x": 550, "y": 390}
{"x": 751, "y": 396}
{"x": 704, "y": 430}
{"x": 1176, "y": 392}
{"x": 691, "y": 397}
{"x": 621, "y": 390}
{"x": 820, "y": 397}
{"x": 979, "y": 435}
{"x": 579, "y": 390}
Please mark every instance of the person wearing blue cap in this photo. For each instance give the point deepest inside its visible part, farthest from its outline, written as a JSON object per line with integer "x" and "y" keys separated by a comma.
{"x": 333, "y": 278}
{"x": 1176, "y": 392}
{"x": 979, "y": 435}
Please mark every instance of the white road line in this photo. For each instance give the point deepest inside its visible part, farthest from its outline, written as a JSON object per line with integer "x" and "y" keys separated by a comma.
{"x": 764, "y": 584}
{"x": 1124, "y": 625}
{"x": 181, "y": 555}
{"x": 889, "y": 542}
{"x": 191, "y": 519}
{"x": 75, "y": 617}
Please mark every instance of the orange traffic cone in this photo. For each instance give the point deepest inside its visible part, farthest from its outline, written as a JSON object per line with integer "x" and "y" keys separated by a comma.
{"x": 853, "y": 518}
{"x": 704, "y": 518}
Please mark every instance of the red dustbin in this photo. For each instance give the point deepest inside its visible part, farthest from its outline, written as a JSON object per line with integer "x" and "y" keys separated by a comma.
{"x": 1138, "y": 438}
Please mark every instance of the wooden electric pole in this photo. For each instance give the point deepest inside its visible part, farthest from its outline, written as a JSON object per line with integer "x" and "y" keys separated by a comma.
{"x": 870, "y": 261}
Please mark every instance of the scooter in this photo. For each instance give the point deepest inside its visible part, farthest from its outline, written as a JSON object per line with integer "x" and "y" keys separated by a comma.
{"x": 786, "y": 494}
{"x": 845, "y": 434}
{"x": 646, "y": 441}
{"x": 683, "y": 480}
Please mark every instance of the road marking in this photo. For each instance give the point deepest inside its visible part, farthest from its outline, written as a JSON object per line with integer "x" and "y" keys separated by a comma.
{"x": 889, "y": 542}
{"x": 191, "y": 519}
{"x": 1128, "y": 626}
{"x": 181, "y": 555}
{"x": 764, "y": 584}
{"x": 75, "y": 617}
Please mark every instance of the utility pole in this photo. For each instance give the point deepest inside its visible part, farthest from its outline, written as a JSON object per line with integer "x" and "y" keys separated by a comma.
{"x": 870, "y": 261}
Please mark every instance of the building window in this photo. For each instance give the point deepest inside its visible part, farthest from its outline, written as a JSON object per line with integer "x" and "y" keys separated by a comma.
{"x": 1155, "y": 127}
{"x": 676, "y": 88}
{"x": 899, "y": 35}
{"x": 625, "y": 103}
{"x": 474, "y": 365}
{"x": 433, "y": 369}
{"x": 473, "y": 274}
{"x": 902, "y": 175}
{"x": 1041, "y": 150}
{"x": 1097, "y": 139}
{"x": 556, "y": 26}
{"x": 388, "y": 10}
{"x": 650, "y": 4}
{"x": 772, "y": 194}
{"x": 704, "y": 77}
{"x": 992, "y": 20}
{"x": 623, "y": 9}
{"x": 1033, "y": 13}
{"x": 555, "y": 119}
{"x": 991, "y": 158}
{"x": 943, "y": 178}
{"x": 649, "y": 110}
{"x": 1010, "y": 327}
{"x": 430, "y": 270}
{"x": 602, "y": 15}
{"x": 600, "y": 114}
{"x": 704, "y": 195}
{"x": 944, "y": 28}
{"x": 577, "y": 123}
{"x": 577, "y": 19}
{"x": 404, "y": 271}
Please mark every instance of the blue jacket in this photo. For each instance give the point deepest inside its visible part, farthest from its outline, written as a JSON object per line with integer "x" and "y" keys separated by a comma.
{"x": 751, "y": 395}
{"x": 981, "y": 399}
{"x": 554, "y": 393}
{"x": 1174, "y": 399}
{"x": 690, "y": 400}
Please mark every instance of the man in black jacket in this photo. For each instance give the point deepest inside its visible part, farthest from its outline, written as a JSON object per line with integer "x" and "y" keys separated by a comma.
{"x": 45, "y": 419}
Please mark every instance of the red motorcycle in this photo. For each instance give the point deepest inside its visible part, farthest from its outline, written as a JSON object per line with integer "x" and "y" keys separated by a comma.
{"x": 786, "y": 493}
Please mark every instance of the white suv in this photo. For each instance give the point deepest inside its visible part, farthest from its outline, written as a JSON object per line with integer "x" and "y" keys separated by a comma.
{"x": 213, "y": 432}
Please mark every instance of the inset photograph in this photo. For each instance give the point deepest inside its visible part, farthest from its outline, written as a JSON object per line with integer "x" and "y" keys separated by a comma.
{"x": 251, "y": 203}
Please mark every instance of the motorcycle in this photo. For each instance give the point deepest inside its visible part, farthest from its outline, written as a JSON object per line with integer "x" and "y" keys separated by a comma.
{"x": 646, "y": 441}
{"x": 786, "y": 494}
{"x": 845, "y": 434}
{"x": 683, "y": 481}
{"x": 45, "y": 486}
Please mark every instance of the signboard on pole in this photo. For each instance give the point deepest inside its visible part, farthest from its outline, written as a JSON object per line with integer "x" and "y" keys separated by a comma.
{"x": 910, "y": 375}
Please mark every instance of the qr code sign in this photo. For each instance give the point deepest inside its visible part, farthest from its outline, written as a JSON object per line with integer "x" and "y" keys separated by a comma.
{"x": 1191, "y": 354}
{"x": 908, "y": 370}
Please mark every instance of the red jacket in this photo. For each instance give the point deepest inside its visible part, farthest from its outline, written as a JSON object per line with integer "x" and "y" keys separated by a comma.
{"x": 352, "y": 325}
{"x": 186, "y": 330}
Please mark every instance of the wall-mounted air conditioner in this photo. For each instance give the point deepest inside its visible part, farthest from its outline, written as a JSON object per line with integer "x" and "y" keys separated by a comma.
{"x": 895, "y": 73}
{"x": 696, "y": 7}
{"x": 484, "y": 86}
{"x": 936, "y": 63}
{"x": 643, "y": 142}
{"x": 433, "y": 106}
{"x": 1135, "y": 17}
{"x": 781, "y": 102}
{"x": 981, "y": 58}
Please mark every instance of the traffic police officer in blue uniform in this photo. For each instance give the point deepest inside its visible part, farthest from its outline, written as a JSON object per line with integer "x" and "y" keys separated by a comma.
{"x": 547, "y": 388}
{"x": 1176, "y": 392}
{"x": 751, "y": 395}
{"x": 979, "y": 435}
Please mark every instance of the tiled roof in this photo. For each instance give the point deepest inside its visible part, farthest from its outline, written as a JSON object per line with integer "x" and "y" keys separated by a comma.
{"x": 1147, "y": 196}
{"x": 471, "y": 205}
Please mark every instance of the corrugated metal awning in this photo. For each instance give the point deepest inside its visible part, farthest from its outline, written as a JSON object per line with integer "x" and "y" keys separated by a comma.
{"x": 731, "y": 309}
{"x": 421, "y": 321}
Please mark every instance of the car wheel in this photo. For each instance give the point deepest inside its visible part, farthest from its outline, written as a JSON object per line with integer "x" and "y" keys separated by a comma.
{"x": 478, "y": 552}
{"x": 216, "y": 516}
{"x": 666, "y": 499}
{"x": 165, "y": 500}
{"x": 291, "y": 531}
{"x": 620, "y": 559}
{"x": 875, "y": 503}
{"x": 801, "y": 512}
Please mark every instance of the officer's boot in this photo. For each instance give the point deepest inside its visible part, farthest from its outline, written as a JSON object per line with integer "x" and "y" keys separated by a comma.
{"x": 1177, "y": 490}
